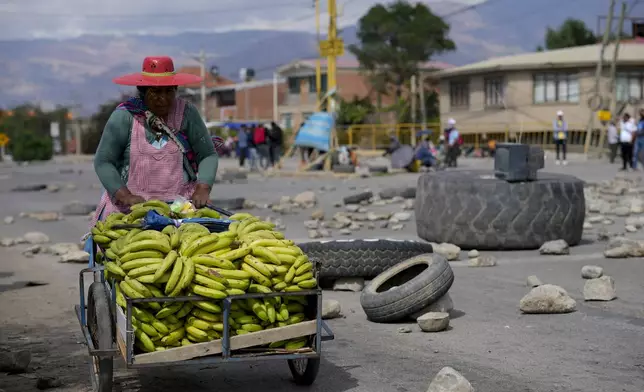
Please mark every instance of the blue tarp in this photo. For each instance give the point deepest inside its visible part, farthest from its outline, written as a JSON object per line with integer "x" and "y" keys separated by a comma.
{"x": 316, "y": 132}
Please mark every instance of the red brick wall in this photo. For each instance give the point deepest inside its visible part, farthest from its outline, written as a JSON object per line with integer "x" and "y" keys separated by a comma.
{"x": 260, "y": 101}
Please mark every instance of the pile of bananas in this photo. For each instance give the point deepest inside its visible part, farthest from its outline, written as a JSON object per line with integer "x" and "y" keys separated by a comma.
{"x": 104, "y": 236}
{"x": 248, "y": 258}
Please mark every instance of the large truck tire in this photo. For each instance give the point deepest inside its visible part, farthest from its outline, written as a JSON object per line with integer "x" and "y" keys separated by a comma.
{"x": 406, "y": 288}
{"x": 474, "y": 210}
{"x": 360, "y": 258}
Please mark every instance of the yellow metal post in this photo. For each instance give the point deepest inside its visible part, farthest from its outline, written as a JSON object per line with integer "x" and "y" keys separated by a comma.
{"x": 330, "y": 66}
{"x": 318, "y": 62}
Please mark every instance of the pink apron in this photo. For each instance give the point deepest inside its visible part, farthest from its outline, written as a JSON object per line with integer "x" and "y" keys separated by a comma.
{"x": 154, "y": 173}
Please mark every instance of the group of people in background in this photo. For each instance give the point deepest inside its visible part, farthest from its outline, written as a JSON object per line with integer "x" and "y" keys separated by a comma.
{"x": 253, "y": 143}
{"x": 628, "y": 136}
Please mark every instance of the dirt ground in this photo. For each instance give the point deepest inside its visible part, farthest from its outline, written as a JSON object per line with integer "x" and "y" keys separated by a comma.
{"x": 598, "y": 348}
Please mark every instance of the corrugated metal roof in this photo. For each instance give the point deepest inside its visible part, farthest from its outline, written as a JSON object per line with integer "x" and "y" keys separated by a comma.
{"x": 630, "y": 53}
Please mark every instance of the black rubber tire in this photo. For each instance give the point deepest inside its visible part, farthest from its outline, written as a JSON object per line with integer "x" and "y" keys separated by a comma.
{"x": 390, "y": 193}
{"x": 230, "y": 204}
{"x": 101, "y": 328}
{"x": 474, "y": 210}
{"x": 358, "y": 198}
{"x": 418, "y": 288}
{"x": 310, "y": 373}
{"x": 360, "y": 258}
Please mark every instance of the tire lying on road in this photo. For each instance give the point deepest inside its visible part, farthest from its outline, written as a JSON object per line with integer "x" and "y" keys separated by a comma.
{"x": 360, "y": 258}
{"x": 406, "y": 288}
{"x": 474, "y": 210}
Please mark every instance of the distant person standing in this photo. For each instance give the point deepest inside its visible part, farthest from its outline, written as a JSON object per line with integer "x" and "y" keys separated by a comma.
{"x": 638, "y": 148}
{"x": 452, "y": 138}
{"x": 613, "y": 140}
{"x": 242, "y": 144}
{"x": 627, "y": 132}
{"x": 252, "y": 148}
{"x": 560, "y": 133}
{"x": 276, "y": 140}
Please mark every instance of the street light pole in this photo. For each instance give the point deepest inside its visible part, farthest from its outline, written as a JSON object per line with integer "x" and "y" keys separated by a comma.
{"x": 201, "y": 58}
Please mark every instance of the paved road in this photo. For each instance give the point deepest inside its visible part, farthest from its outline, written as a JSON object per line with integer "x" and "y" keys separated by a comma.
{"x": 598, "y": 348}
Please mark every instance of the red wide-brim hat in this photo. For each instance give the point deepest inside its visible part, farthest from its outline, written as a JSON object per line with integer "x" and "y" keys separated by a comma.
{"x": 157, "y": 71}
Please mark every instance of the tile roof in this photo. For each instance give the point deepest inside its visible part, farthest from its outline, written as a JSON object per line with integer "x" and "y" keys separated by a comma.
{"x": 211, "y": 81}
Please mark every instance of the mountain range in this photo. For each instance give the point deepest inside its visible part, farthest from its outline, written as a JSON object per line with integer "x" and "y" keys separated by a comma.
{"x": 78, "y": 71}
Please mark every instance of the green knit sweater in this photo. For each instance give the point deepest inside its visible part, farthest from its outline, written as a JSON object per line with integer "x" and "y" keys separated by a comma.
{"x": 112, "y": 159}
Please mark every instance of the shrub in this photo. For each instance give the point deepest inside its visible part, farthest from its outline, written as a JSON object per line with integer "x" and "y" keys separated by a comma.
{"x": 28, "y": 146}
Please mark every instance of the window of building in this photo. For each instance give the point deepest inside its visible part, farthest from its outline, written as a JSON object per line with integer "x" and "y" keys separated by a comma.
{"x": 459, "y": 94}
{"x": 225, "y": 98}
{"x": 629, "y": 85}
{"x": 294, "y": 85}
{"x": 323, "y": 84}
{"x": 555, "y": 87}
{"x": 494, "y": 92}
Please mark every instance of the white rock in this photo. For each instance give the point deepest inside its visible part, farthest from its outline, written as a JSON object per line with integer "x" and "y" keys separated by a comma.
{"x": 398, "y": 227}
{"x": 595, "y": 219}
{"x": 433, "y": 321}
{"x": 449, "y": 380}
{"x": 77, "y": 256}
{"x": 36, "y": 238}
{"x": 557, "y": 247}
{"x": 630, "y": 228}
{"x": 9, "y": 220}
{"x": 408, "y": 204}
{"x": 533, "y": 281}
{"x": 331, "y": 309}
{"x": 306, "y": 199}
{"x": 345, "y": 231}
{"x": 311, "y": 224}
{"x": 450, "y": 251}
{"x": 444, "y": 304}
{"x": 591, "y": 272}
{"x": 483, "y": 261}
{"x": 587, "y": 226}
{"x": 404, "y": 330}
{"x": 600, "y": 289}
{"x": 324, "y": 233}
{"x": 6, "y": 242}
{"x": 313, "y": 234}
{"x": 349, "y": 284}
{"x": 352, "y": 207}
{"x": 473, "y": 254}
{"x": 547, "y": 298}
{"x": 401, "y": 216}
{"x": 317, "y": 215}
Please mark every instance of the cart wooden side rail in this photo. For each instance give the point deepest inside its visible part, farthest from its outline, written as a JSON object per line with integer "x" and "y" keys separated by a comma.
{"x": 304, "y": 363}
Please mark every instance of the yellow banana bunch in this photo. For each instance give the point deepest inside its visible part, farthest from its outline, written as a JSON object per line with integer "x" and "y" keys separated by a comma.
{"x": 251, "y": 257}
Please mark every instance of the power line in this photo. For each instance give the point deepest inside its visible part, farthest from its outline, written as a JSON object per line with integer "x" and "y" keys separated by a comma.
{"x": 226, "y": 10}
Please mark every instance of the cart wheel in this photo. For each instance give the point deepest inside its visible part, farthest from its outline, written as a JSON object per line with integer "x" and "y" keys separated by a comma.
{"x": 101, "y": 328}
{"x": 305, "y": 370}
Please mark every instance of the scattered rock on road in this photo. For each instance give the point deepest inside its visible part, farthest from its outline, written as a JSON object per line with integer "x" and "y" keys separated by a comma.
{"x": 15, "y": 363}
{"x": 30, "y": 188}
{"x": 36, "y": 238}
{"x": 44, "y": 383}
{"x": 473, "y": 254}
{"x": 32, "y": 250}
{"x": 533, "y": 281}
{"x": 557, "y": 247}
{"x": 45, "y": 216}
{"x": 450, "y": 251}
{"x": 547, "y": 298}
{"x": 76, "y": 256}
{"x": 306, "y": 199}
{"x": 331, "y": 309}
{"x": 401, "y": 216}
{"x": 7, "y": 242}
{"x": 317, "y": 215}
{"x": 78, "y": 208}
{"x": 433, "y": 321}
{"x": 404, "y": 330}
{"x": 9, "y": 220}
{"x": 620, "y": 247}
{"x": 449, "y": 380}
{"x": 444, "y": 304}
{"x": 62, "y": 248}
{"x": 630, "y": 229}
{"x": 600, "y": 289}
{"x": 349, "y": 284}
{"x": 483, "y": 261}
{"x": 591, "y": 272}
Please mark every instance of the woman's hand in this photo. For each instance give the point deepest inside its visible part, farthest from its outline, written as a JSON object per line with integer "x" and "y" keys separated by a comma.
{"x": 201, "y": 195}
{"x": 125, "y": 197}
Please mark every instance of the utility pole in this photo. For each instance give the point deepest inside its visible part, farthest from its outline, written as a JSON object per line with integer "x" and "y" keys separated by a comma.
{"x": 598, "y": 76}
{"x": 421, "y": 98}
{"x": 201, "y": 58}
{"x": 413, "y": 107}
{"x": 613, "y": 64}
{"x": 318, "y": 62}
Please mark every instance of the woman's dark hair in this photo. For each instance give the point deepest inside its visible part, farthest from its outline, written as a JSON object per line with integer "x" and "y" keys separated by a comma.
{"x": 143, "y": 89}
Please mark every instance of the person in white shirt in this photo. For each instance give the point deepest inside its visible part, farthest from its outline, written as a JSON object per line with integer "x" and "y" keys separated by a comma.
{"x": 613, "y": 140}
{"x": 626, "y": 136}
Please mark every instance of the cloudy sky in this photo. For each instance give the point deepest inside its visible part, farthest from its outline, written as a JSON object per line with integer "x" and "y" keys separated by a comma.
{"x": 27, "y": 19}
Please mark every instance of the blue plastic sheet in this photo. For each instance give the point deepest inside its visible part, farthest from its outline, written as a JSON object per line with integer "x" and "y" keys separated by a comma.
{"x": 316, "y": 132}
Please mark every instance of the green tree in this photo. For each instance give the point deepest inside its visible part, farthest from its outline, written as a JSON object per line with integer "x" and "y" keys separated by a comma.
{"x": 97, "y": 124}
{"x": 572, "y": 32}
{"x": 355, "y": 111}
{"x": 394, "y": 39}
